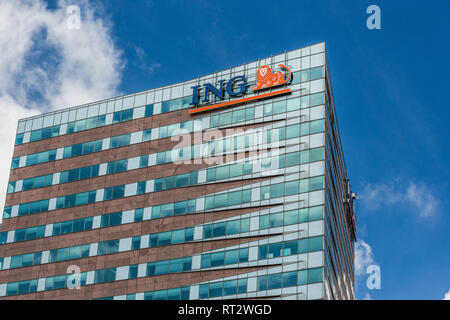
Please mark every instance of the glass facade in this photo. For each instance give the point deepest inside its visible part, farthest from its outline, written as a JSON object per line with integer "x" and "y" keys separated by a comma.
{"x": 247, "y": 201}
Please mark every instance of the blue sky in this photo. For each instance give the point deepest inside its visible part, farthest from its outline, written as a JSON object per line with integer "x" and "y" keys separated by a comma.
{"x": 390, "y": 90}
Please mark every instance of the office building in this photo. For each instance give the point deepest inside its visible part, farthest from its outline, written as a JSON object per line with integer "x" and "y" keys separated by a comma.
{"x": 231, "y": 185}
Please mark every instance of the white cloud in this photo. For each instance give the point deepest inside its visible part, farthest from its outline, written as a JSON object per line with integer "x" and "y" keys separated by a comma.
{"x": 142, "y": 59}
{"x": 417, "y": 196}
{"x": 447, "y": 295}
{"x": 420, "y": 197}
{"x": 363, "y": 257}
{"x": 47, "y": 66}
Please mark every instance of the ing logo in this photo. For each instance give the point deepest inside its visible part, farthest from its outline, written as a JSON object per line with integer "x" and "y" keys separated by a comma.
{"x": 266, "y": 79}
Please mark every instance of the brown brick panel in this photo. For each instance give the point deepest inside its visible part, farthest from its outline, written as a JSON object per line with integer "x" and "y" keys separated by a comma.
{"x": 105, "y": 156}
{"x": 121, "y": 259}
{"x": 120, "y": 231}
{"x": 106, "y": 181}
{"x": 123, "y": 287}
{"x": 94, "y": 209}
{"x": 128, "y": 203}
{"x": 106, "y": 131}
{"x": 83, "y": 136}
{"x": 97, "y": 134}
{"x": 125, "y": 152}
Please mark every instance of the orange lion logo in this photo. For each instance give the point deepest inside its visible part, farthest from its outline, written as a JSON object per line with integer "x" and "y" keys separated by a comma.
{"x": 266, "y": 79}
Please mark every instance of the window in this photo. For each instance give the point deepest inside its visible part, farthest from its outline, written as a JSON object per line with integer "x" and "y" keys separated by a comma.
{"x": 37, "y": 158}
{"x": 120, "y": 141}
{"x": 219, "y": 229}
{"x": 21, "y": 287}
{"x": 267, "y": 109}
{"x": 316, "y": 73}
{"x": 143, "y": 161}
{"x": 249, "y": 113}
{"x": 170, "y": 294}
{"x": 33, "y": 207}
{"x": 303, "y": 245}
{"x": 237, "y": 169}
{"x": 146, "y": 135}
{"x": 11, "y": 186}
{"x": 25, "y": 260}
{"x": 215, "y": 289}
{"x": 204, "y": 291}
{"x": 133, "y": 272}
{"x": 234, "y": 198}
{"x": 76, "y": 199}
{"x": 108, "y": 247}
{"x": 279, "y": 107}
{"x": 316, "y": 183}
{"x": 117, "y": 166}
{"x": 141, "y": 187}
{"x": 124, "y": 115}
{"x": 114, "y": 193}
{"x": 214, "y": 121}
{"x": 302, "y": 277}
{"x": 112, "y": 219}
{"x": 290, "y": 217}
{"x": 79, "y": 174}
{"x": 149, "y": 110}
{"x": 239, "y": 116}
{"x": 72, "y": 226}
{"x": 262, "y": 283}
{"x": 187, "y": 263}
{"x": 295, "y": 77}
{"x": 44, "y": 133}
{"x": 317, "y": 99}
{"x": 231, "y": 227}
{"x": 162, "y": 267}
{"x": 292, "y": 131}
{"x": 217, "y": 259}
{"x": 225, "y": 119}
{"x": 290, "y": 248}
{"x": 231, "y": 256}
{"x": 228, "y": 199}
{"x": 82, "y": 149}
{"x": 314, "y": 275}
{"x": 15, "y": 163}
{"x": 316, "y": 126}
{"x": 305, "y": 75}
{"x": 29, "y": 233}
{"x": 315, "y": 243}
{"x": 293, "y": 104}
{"x": 106, "y": 275}
{"x": 70, "y": 253}
{"x": 86, "y": 124}
{"x": 19, "y": 139}
{"x": 177, "y": 236}
{"x": 222, "y": 172}
{"x": 289, "y": 279}
{"x": 316, "y": 154}
{"x": 138, "y": 215}
{"x": 316, "y": 213}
